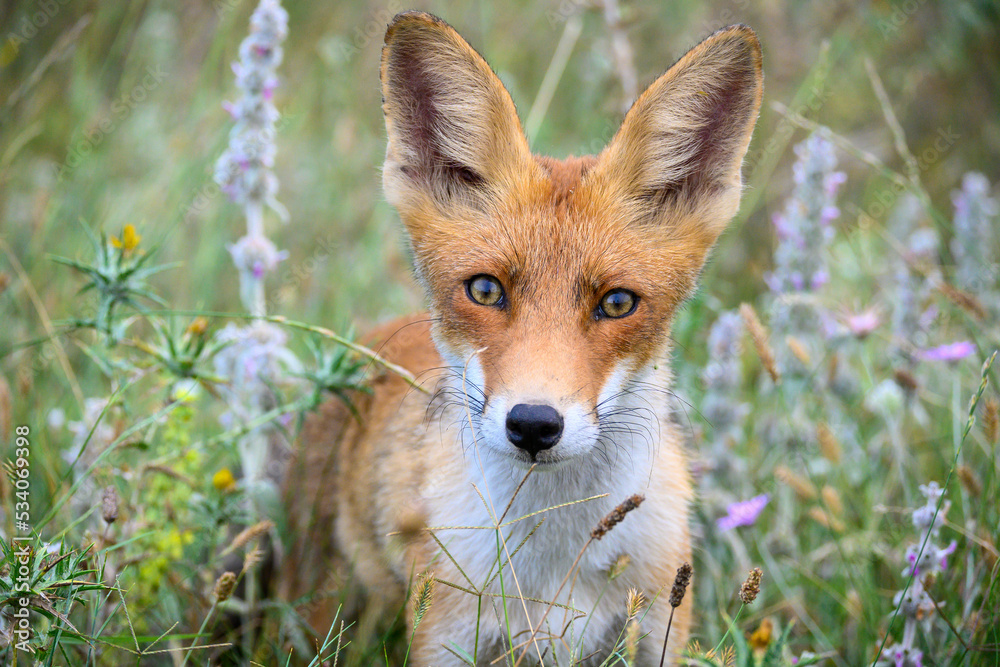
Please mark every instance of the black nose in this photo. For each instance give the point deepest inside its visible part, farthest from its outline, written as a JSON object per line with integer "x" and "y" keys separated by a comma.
{"x": 533, "y": 427}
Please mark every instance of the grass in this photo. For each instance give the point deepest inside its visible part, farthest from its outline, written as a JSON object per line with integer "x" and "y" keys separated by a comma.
{"x": 110, "y": 115}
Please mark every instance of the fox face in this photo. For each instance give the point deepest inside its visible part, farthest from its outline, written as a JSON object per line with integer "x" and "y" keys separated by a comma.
{"x": 552, "y": 284}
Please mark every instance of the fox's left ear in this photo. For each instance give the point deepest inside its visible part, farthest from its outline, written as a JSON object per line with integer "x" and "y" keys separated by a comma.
{"x": 678, "y": 154}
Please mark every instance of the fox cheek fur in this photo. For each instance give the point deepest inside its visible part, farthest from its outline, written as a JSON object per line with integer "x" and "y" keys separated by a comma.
{"x": 551, "y": 286}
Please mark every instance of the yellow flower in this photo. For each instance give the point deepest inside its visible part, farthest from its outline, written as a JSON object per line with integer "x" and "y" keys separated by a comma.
{"x": 223, "y": 480}
{"x": 198, "y": 326}
{"x": 762, "y": 635}
{"x": 129, "y": 241}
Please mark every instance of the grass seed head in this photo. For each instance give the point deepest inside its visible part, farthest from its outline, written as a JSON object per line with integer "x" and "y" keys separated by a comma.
{"x": 248, "y": 535}
{"x": 970, "y": 480}
{"x": 802, "y": 487}
{"x": 991, "y": 420}
{"x": 758, "y": 334}
{"x": 634, "y": 602}
{"x": 751, "y": 587}
{"x": 423, "y": 596}
{"x": 681, "y": 582}
{"x": 616, "y": 516}
{"x": 632, "y": 641}
{"x": 828, "y": 444}
{"x": 109, "y": 505}
{"x": 224, "y": 586}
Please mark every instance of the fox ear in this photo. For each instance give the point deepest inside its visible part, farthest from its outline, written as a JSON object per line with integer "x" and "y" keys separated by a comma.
{"x": 678, "y": 153}
{"x": 452, "y": 127}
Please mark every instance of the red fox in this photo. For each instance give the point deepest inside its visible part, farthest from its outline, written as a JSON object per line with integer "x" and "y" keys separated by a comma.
{"x": 551, "y": 286}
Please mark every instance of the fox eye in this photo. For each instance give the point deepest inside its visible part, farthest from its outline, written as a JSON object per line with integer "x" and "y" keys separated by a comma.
{"x": 484, "y": 290}
{"x": 618, "y": 303}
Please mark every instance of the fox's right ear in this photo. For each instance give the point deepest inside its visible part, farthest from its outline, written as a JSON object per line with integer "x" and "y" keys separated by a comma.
{"x": 454, "y": 135}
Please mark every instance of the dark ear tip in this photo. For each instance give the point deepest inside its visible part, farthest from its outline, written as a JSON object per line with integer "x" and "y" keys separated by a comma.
{"x": 743, "y": 35}
{"x": 411, "y": 19}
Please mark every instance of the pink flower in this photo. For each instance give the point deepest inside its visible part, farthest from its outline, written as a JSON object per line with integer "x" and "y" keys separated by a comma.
{"x": 949, "y": 352}
{"x": 743, "y": 513}
{"x": 863, "y": 323}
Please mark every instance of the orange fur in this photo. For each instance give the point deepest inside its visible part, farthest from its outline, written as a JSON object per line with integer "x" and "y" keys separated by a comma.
{"x": 557, "y": 237}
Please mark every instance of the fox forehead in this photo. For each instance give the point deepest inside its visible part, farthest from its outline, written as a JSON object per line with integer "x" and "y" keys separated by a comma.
{"x": 556, "y": 238}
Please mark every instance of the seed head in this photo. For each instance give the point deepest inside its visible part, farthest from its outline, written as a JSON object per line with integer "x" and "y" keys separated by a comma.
{"x": 798, "y": 348}
{"x": 249, "y": 534}
{"x": 224, "y": 586}
{"x": 615, "y": 516}
{"x": 802, "y": 487}
{"x": 619, "y": 565}
{"x": 681, "y": 582}
{"x": 634, "y": 602}
{"x": 991, "y": 420}
{"x": 109, "y": 505}
{"x": 759, "y": 336}
{"x": 906, "y": 380}
{"x": 632, "y": 641}
{"x": 964, "y": 300}
{"x": 422, "y": 597}
{"x": 970, "y": 480}
{"x": 751, "y": 587}
{"x": 828, "y": 444}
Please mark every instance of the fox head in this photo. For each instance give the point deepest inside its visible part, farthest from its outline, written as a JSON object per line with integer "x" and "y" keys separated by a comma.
{"x": 551, "y": 283}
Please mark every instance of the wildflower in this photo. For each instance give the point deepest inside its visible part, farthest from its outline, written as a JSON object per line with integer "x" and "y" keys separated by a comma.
{"x": 129, "y": 241}
{"x": 761, "y": 637}
{"x": 198, "y": 326}
{"x": 862, "y": 324}
{"x": 803, "y": 227}
{"x": 743, "y": 513}
{"x": 949, "y": 352}
{"x": 974, "y": 232}
{"x": 223, "y": 480}
{"x": 244, "y": 169}
{"x": 751, "y": 587}
{"x": 616, "y": 516}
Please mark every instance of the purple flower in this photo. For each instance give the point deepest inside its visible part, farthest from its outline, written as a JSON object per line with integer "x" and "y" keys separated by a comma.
{"x": 743, "y": 513}
{"x": 949, "y": 352}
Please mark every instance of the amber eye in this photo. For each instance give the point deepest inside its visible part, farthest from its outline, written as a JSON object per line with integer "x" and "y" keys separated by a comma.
{"x": 618, "y": 303}
{"x": 484, "y": 290}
